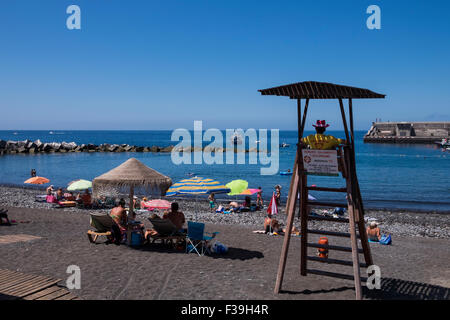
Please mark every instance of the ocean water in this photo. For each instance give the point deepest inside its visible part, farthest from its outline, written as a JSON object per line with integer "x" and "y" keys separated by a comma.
{"x": 391, "y": 176}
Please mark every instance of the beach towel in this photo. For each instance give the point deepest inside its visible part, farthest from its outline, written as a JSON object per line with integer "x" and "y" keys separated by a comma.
{"x": 385, "y": 239}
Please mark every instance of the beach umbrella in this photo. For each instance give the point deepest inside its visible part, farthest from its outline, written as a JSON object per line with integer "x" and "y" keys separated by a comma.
{"x": 80, "y": 184}
{"x": 37, "y": 180}
{"x": 272, "y": 209}
{"x": 237, "y": 187}
{"x": 197, "y": 185}
{"x": 132, "y": 173}
{"x": 249, "y": 192}
{"x": 157, "y": 204}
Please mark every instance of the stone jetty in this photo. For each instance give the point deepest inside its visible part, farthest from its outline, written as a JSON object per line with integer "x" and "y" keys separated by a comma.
{"x": 407, "y": 132}
{"x": 27, "y": 146}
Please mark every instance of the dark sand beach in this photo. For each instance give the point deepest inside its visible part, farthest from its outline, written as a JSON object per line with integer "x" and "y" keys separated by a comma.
{"x": 415, "y": 266}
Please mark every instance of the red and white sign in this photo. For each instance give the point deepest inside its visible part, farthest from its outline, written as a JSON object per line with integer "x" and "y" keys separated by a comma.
{"x": 320, "y": 162}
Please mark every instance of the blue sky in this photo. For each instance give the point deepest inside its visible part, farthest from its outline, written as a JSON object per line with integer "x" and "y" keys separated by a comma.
{"x": 163, "y": 64}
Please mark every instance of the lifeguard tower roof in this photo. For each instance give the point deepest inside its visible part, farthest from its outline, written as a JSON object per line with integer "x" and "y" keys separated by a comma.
{"x": 321, "y": 90}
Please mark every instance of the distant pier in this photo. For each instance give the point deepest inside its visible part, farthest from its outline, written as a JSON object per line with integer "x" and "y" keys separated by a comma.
{"x": 408, "y": 132}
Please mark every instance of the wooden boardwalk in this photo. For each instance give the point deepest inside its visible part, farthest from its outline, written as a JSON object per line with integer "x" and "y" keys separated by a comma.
{"x": 15, "y": 285}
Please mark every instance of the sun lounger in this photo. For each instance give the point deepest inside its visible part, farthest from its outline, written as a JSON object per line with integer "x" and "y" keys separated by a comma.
{"x": 66, "y": 204}
{"x": 103, "y": 224}
{"x": 40, "y": 198}
{"x": 166, "y": 232}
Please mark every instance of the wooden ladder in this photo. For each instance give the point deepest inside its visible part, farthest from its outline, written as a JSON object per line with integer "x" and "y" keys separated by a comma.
{"x": 355, "y": 220}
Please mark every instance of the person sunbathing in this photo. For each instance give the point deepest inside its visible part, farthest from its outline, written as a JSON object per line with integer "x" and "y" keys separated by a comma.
{"x": 247, "y": 203}
{"x": 373, "y": 232}
{"x": 143, "y": 201}
{"x": 119, "y": 215}
{"x": 59, "y": 195}
{"x": 271, "y": 225}
{"x": 320, "y": 140}
{"x": 177, "y": 217}
{"x": 87, "y": 199}
{"x": 49, "y": 190}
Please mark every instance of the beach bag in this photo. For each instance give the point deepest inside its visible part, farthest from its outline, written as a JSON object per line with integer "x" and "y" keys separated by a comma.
{"x": 385, "y": 239}
{"x": 51, "y": 199}
{"x": 136, "y": 239}
{"x": 219, "y": 248}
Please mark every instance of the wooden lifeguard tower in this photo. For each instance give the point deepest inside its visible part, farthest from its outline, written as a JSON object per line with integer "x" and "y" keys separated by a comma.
{"x": 345, "y": 158}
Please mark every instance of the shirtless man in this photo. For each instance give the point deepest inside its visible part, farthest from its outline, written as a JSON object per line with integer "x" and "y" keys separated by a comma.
{"x": 177, "y": 217}
{"x": 373, "y": 231}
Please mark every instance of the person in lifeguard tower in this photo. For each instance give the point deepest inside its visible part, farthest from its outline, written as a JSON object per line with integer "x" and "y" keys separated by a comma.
{"x": 320, "y": 140}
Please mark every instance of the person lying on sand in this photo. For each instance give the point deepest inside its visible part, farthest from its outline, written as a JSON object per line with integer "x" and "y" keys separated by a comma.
{"x": 271, "y": 224}
{"x": 373, "y": 231}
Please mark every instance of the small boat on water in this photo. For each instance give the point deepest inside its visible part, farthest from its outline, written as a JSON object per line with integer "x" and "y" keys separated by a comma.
{"x": 284, "y": 145}
{"x": 444, "y": 143}
{"x": 236, "y": 139}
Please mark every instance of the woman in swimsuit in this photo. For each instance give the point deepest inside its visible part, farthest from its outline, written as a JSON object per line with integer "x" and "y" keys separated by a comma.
{"x": 119, "y": 215}
{"x": 259, "y": 199}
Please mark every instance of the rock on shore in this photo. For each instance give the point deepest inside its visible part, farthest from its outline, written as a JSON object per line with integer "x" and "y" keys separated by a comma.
{"x": 27, "y": 146}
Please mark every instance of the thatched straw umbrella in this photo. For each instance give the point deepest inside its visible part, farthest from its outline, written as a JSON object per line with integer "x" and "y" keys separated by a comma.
{"x": 132, "y": 173}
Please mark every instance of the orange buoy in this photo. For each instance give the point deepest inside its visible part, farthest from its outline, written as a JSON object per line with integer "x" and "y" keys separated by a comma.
{"x": 322, "y": 252}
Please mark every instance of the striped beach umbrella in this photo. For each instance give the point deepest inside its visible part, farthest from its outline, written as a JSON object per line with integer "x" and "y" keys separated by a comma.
{"x": 197, "y": 185}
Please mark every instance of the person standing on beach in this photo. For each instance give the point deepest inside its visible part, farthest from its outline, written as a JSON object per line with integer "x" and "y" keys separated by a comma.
{"x": 212, "y": 201}
{"x": 259, "y": 199}
{"x": 320, "y": 140}
{"x": 278, "y": 194}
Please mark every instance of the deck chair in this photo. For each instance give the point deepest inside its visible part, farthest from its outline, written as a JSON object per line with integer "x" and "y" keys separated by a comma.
{"x": 103, "y": 224}
{"x": 4, "y": 215}
{"x": 167, "y": 232}
{"x": 196, "y": 240}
